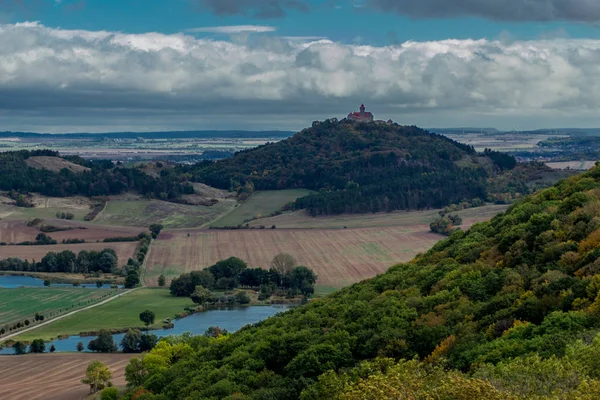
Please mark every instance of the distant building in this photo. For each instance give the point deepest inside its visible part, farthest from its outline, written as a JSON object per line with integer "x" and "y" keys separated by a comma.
{"x": 361, "y": 116}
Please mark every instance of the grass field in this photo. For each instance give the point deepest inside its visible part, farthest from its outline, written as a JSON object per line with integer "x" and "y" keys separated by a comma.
{"x": 260, "y": 203}
{"x": 124, "y": 250}
{"x": 54, "y": 376}
{"x": 18, "y": 304}
{"x": 118, "y": 314}
{"x": 47, "y": 207}
{"x": 339, "y": 257}
{"x": 412, "y": 219}
{"x": 143, "y": 213}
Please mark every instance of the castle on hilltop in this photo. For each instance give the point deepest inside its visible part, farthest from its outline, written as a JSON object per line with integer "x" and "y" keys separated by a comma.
{"x": 364, "y": 116}
{"x": 361, "y": 116}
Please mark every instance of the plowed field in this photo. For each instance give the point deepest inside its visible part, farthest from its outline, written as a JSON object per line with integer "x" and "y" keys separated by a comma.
{"x": 124, "y": 250}
{"x": 339, "y": 256}
{"x": 53, "y": 376}
{"x": 18, "y": 231}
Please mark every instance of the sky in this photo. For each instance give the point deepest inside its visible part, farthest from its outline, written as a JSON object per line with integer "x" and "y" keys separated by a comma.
{"x": 148, "y": 65}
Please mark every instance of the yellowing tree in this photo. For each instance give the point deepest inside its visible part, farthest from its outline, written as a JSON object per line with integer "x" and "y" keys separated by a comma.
{"x": 97, "y": 376}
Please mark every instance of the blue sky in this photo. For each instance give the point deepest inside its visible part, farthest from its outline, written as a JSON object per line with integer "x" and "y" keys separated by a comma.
{"x": 102, "y": 65}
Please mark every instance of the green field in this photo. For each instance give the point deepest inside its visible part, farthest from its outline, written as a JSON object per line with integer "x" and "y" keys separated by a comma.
{"x": 118, "y": 314}
{"x": 260, "y": 203}
{"x": 19, "y": 304}
{"x": 170, "y": 215}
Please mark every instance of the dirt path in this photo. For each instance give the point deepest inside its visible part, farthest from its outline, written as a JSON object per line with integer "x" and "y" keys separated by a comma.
{"x": 66, "y": 315}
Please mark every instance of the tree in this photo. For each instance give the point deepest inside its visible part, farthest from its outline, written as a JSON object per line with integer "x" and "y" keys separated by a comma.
{"x": 109, "y": 393}
{"x": 229, "y": 268}
{"x": 52, "y": 348}
{"x": 162, "y": 281}
{"x": 47, "y": 283}
{"x": 20, "y": 348}
{"x": 215, "y": 331}
{"x": 283, "y": 263}
{"x": 135, "y": 373}
{"x": 242, "y": 297}
{"x": 80, "y": 346}
{"x": 202, "y": 295}
{"x": 97, "y": 375}
{"x": 155, "y": 229}
{"x": 132, "y": 279}
{"x": 303, "y": 279}
{"x": 147, "y": 342}
{"x": 99, "y": 284}
{"x": 147, "y": 317}
{"x": 130, "y": 342}
{"x": 37, "y": 346}
{"x": 104, "y": 343}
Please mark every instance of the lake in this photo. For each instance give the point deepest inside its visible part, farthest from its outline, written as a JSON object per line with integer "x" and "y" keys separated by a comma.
{"x": 231, "y": 319}
{"x": 15, "y": 281}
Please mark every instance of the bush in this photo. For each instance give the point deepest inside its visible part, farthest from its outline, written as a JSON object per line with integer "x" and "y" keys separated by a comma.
{"x": 110, "y": 393}
{"x": 242, "y": 297}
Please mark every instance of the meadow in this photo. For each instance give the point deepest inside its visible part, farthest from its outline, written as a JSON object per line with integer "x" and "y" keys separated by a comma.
{"x": 23, "y": 303}
{"x": 339, "y": 257}
{"x": 261, "y": 203}
{"x": 54, "y": 376}
{"x": 120, "y": 313}
{"x": 143, "y": 213}
{"x": 45, "y": 207}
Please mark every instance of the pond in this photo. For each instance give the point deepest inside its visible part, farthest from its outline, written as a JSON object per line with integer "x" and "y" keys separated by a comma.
{"x": 15, "y": 281}
{"x": 230, "y": 319}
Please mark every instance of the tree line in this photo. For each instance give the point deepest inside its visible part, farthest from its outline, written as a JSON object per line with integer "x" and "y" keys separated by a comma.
{"x": 233, "y": 272}
{"x": 103, "y": 261}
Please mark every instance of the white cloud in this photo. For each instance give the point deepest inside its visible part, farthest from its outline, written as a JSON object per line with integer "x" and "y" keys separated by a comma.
{"x": 231, "y": 29}
{"x": 52, "y": 79}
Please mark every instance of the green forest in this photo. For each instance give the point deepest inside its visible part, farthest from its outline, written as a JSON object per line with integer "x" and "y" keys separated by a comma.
{"x": 360, "y": 168}
{"x": 102, "y": 179}
{"x": 509, "y": 309}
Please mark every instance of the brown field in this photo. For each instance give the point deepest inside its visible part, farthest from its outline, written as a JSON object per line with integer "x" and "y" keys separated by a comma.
{"x": 339, "y": 256}
{"x": 54, "y": 164}
{"x": 576, "y": 165}
{"x": 54, "y": 376}
{"x": 415, "y": 220}
{"x": 16, "y": 231}
{"x": 124, "y": 250}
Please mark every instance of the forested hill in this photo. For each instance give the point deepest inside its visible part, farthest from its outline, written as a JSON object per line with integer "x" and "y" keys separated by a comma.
{"x": 358, "y": 168}
{"x": 97, "y": 178}
{"x": 508, "y": 310}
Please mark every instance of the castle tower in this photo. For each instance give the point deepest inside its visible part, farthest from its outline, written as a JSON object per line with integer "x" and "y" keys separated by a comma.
{"x": 362, "y": 109}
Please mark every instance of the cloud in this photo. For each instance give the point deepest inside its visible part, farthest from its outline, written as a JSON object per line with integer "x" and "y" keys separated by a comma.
{"x": 232, "y": 29}
{"x": 256, "y": 8}
{"x": 54, "y": 79}
{"x": 504, "y": 10}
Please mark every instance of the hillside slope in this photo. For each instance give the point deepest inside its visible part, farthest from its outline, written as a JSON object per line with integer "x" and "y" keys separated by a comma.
{"x": 507, "y": 310}
{"x": 360, "y": 168}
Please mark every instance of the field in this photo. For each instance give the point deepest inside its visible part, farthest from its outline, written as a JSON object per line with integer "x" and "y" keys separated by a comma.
{"x": 46, "y": 207}
{"x": 54, "y": 164}
{"x": 260, "y": 203}
{"x": 339, "y": 257}
{"x": 15, "y": 231}
{"x": 124, "y": 250}
{"x": 54, "y": 376}
{"x": 118, "y": 314}
{"x": 143, "y": 213}
{"x": 575, "y": 165}
{"x": 413, "y": 219}
{"x": 18, "y": 304}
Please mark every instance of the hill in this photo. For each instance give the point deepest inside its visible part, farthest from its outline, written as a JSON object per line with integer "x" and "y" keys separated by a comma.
{"x": 360, "y": 168}
{"x": 509, "y": 309}
{"x": 36, "y": 171}
{"x": 54, "y": 164}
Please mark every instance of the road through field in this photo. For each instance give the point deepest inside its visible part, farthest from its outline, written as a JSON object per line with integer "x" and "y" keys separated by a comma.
{"x": 54, "y": 376}
{"x": 64, "y": 316}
